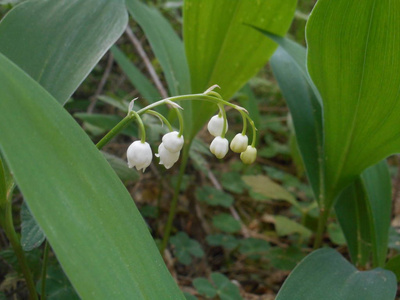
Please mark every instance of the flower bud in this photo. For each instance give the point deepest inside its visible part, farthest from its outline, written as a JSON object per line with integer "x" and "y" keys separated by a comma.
{"x": 249, "y": 156}
{"x": 172, "y": 142}
{"x": 167, "y": 158}
{"x": 216, "y": 125}
{"x": 139, "y": 155}
{"x": 239, "y": 143}
{"x": 219, "y": 147}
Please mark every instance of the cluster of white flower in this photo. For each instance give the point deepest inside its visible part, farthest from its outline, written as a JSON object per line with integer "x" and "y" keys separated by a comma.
{"x": 220, "y": 145}
{"x": 140, "y": 155}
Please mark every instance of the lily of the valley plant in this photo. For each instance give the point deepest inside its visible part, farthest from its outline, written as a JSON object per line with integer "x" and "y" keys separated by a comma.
{"x": 139, "y": 153}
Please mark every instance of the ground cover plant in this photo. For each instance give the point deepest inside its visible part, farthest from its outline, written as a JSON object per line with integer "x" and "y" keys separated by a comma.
{"x": 199, "y": 149}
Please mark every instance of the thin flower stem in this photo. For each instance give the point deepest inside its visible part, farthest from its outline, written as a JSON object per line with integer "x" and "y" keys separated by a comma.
{"x": 223, "y": 112}
{"x": 12, "y": 236}
{"x": 113, "y": 132}
{"x": 44, "y": 271}
{"x": 180, "y": 119}
{"x": 174, "y": 202}
{"x": 161, "y": 117}
{"x": 142, "y": 130}
{"x": 244, "y": 122}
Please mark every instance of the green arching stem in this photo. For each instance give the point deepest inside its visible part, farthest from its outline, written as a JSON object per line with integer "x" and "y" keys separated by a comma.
{"x": 254, "y": 139}
{"x": 223, "y": 112}
{"x": 142, "y": 130}
{"x": 180, "y": 119}
{"x": 163, "y": 119}
{"x": 44, "y": 270}
{"x": 130, "y": 117}
{"x": 113, "y": 132}
{"x": 174, "y": 202}
{"x": 244, "y": 122}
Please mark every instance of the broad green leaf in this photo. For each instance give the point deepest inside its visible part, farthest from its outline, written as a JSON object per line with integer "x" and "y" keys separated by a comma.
{"x": 288, "y": 65}
{"x": 353, "y": 61}
{"x": 214, "y": 197}
{"x": 166, "y": 44}
{"x": 138, "y": 80}
{"x": 32, "y": 235}
{"x": 325, "y": 274}
{"x": 222, "y": 50}
{"x": 266, "y": 187}
{"x": 364, "y": 212}
{"x": 59, "y": 42}
{"x": 226, "y": 223}
{"x": 89, "y": 218}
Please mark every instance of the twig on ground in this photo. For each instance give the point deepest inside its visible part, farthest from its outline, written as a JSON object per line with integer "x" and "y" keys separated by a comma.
{"x": 136, "y": 43}
{"x": 102, "y": 83}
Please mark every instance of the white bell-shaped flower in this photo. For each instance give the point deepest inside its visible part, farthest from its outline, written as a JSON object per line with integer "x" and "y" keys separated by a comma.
{"x": 216, "y": 125}
{"x": 139, "y": 155}
{"x": 249, "y": 156}
{"x": 239, "y": 143}
{"x": 173, "y": 142}
{"x": 167, "y": 158}
{"x": 219, "y": 147}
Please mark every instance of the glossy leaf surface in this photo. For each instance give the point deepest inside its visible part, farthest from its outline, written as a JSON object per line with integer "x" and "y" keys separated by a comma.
{"x": 222, "y": 50}
{"x": 288, "y": 64}
{"x": 77, "y": 199}
{"x": 325, "y": 274}
{"x": 59, "y": 42}
{"x": 354, "y": 62}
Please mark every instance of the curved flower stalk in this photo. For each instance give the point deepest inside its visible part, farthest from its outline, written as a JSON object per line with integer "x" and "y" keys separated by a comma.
{"x": 139, "y": 153}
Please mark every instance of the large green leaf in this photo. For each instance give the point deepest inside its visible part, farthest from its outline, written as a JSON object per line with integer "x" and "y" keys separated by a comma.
{"x": 59, "y": 42}
{"x": 288, "y": 64}
{"x": 89, "y": 218}
{"x": 364, "y": 211}
{"x": 353, "y": 60}
{"x": 222, "y": 50}
{"x": 166, "y": 44}
{"x": 325, "y": 274}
